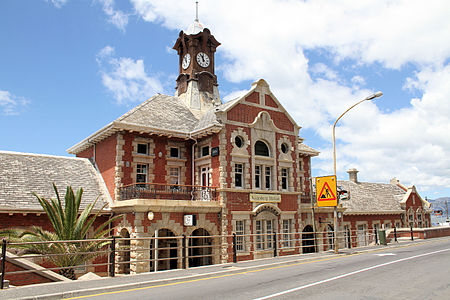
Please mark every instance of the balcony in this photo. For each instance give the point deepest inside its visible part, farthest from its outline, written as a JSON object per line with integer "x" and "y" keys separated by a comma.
{"x": 168, "y": 192}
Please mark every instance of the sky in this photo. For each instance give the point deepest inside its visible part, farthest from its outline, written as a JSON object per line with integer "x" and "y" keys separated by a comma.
{"x": 69, "y": 67}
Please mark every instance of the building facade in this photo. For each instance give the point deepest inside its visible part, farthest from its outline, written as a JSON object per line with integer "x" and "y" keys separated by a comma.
{"x": 236, "y": 167}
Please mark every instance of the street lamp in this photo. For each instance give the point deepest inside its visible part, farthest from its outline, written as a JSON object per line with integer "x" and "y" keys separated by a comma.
{"x": 368, "y": 98}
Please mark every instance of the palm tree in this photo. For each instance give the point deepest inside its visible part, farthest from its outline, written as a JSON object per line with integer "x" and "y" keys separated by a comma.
{"x": 68, "y": 224}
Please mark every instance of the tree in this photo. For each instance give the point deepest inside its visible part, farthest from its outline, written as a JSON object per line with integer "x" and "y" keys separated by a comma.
{"x": 68, "y": 224}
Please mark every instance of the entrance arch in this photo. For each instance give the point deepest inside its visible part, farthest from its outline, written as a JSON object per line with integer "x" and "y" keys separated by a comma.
{"x": 200, "y": 248}
{"x": 308, "y": 241}
{"x": 165, "y": 252}
{"x": 124, "y": 252}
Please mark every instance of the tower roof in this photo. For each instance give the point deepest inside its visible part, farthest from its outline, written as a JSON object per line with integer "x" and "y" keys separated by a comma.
{"x": 195, "y": 27}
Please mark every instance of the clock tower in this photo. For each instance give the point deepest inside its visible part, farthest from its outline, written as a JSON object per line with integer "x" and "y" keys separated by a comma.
{"x": 196, "y": 83}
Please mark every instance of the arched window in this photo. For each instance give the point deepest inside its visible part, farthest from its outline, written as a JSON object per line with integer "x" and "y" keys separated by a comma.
{"x": 261, "y": 149}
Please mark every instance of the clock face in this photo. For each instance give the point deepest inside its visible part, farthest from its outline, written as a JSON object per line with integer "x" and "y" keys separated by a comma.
{"x": 186, "y": 61}
{"x": 202, "y": 59}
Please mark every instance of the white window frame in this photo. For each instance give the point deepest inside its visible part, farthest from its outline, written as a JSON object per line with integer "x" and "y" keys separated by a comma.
{"x": 268, "y": 177}
{"x": 285, "y": 179}
{"x": 147, "y": 146}
{"x": 240, "y": 238}
{"x": 179, "y": 152}
{"x": 258, "y": 181}
{"x": 141, "y": 169}
{"x": 287, "y": 225}
{"x": 239, "y": 172}
{"x": 174, "y": 176}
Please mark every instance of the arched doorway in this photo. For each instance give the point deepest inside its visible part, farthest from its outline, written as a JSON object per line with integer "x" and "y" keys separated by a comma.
{"x": 330, "y": 236}
{"x": 124, "y": 252}
{"x": 308, "y": 242}
{"x": 165, "y": 251}
{"x": 200, "y": 248}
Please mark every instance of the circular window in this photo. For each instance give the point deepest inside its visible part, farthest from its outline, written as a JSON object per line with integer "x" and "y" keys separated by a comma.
{"x": 239, "y": 141}
{"x": 284, "y": 148}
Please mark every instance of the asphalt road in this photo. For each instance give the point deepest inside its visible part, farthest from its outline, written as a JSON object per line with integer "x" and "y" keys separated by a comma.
{"x": 417, "y": 271}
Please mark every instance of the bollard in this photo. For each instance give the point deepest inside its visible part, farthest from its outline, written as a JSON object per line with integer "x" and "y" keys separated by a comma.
{"x": 3, "y": 264}
{"x": 376, "y": 236}
{"x": 395, "y": 234}
{"x": 234, "y": 248}
{"x": 112, "y": 258}
{"x": 412, "y": 234}
{"x": 275, "y": 244}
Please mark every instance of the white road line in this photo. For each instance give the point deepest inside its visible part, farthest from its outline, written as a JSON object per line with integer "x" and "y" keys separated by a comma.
{"x": 347, "y": 274}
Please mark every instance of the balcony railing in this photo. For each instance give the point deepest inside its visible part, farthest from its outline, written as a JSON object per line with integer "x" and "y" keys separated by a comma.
{"x": 168, "y": 192}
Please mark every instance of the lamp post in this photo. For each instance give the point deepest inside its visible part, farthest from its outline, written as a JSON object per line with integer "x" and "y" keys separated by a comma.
{"x": 368, "y": 98}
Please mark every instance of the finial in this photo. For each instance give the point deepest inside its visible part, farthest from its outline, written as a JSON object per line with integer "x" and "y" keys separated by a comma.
{"x": 196, "y": 11}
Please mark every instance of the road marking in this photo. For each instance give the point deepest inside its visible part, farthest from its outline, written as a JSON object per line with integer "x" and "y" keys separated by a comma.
{"x": 348, "y": 274}
{"x": 246, "y": 272}
{"x": 385, "y": 254}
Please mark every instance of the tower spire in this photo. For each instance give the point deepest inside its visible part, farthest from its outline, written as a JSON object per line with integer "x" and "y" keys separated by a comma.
{"x": 196, "y": 11}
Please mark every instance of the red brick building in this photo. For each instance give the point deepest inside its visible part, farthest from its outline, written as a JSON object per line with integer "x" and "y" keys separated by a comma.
{"x": 234, "y": 167}
{"x": 370, "y": 207}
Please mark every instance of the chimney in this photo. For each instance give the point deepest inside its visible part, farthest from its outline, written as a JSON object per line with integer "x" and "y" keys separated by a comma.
{"x": 353, "y": 175}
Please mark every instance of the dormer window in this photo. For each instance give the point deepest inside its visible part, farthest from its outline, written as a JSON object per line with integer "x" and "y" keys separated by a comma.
{"x": 142, "y": 149}
{"x": 261, "y": 149}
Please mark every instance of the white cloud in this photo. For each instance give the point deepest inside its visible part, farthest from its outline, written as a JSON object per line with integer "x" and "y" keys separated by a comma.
{"x": 116, "y": 17}
{"x": 58, "y": 3}
{"x": 126, "y": 78}
{"x": 10, "y": 104}
{"x": 268, "y": 39}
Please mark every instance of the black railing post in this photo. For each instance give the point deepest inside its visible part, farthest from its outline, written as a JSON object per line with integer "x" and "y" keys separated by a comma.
{"x": 376, "y": 236}
{"x": 349, "y": 238}
{"x": 112, "y": 258}
{"x": 3, "y": 264}
{"x": 275, "y": 244}
{"x": 234, "y": 248}
{"x": 412, "y": 234}
{"x": 395, "y": 234}
{"x": 184, "y": 243}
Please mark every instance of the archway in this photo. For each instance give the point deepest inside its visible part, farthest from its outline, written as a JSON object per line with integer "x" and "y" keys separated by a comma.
{"x": 124, "y": 252}
{"x": 200, "y": 248}
{"x": 165, "y": 252}
{"x": 308, "y": 243}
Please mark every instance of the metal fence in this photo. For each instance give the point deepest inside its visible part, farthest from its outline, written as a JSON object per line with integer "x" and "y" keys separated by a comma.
{"x": 135, "y": 255}
{"x": 168, "y": 192}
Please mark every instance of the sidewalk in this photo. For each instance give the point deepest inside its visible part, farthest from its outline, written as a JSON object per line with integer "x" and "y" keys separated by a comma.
{"x": 59, "y": 290}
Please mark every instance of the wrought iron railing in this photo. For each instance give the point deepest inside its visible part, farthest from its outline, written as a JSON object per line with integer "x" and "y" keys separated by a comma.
{"x": 168, "y": 192}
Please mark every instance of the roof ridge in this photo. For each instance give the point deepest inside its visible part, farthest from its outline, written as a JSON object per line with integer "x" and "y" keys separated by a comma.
{"x": 42, "y": 155}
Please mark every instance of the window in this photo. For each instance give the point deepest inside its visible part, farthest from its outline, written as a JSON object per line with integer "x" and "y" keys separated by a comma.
{"x": 284, "y": 148}
{"x": 287, "y": 233}
{"x": 141, "y": 173}
{"x": 239, "y": 141}
{"x": 284, "y": 178}
{"x": 174, "y": 152}
{"x": 174, "y": 176}
{"x": 142, "y": 149}
{"x": 205, "y": 151}
{"x": 261, "y": 149}
{"x": 268, "y": 175}
{"x": 257, "y": 177}
{"x": 238, "y": 175}
{"x": 240, "y": 231}
{"x": 264, "y": 230}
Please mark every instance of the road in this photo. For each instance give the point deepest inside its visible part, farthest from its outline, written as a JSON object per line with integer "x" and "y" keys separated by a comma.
{"x": 417, "y": 271}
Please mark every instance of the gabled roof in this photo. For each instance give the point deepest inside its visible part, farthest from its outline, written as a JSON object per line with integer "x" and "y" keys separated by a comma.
{"x": 24, "y": 173}
{"x": 372, "y": 198}
{"x": 258, "y": 86}
{"x": 305, "y": 149}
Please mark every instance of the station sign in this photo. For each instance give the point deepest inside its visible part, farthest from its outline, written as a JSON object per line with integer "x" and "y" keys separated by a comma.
{"x": 326, "y": 191}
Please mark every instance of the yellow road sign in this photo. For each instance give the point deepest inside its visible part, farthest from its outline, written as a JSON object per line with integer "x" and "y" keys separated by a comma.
{"x": 326, "y": 191}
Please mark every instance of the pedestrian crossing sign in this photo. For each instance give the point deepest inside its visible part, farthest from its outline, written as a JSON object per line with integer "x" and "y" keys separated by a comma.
{"x": 326, "y": 191}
